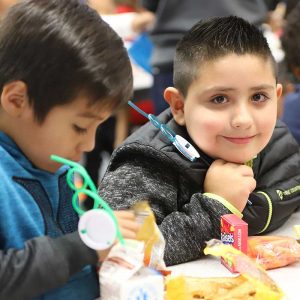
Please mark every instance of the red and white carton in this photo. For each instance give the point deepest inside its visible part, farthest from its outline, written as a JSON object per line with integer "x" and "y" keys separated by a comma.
{"x": 234, "y": 231}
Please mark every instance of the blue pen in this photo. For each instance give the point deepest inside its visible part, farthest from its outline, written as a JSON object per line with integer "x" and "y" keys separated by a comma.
{"x": 184, "y": 147}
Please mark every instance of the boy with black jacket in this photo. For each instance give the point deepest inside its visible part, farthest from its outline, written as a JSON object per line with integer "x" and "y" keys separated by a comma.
{"x": 224, "y": 103}
{"x": 63, "y": 71}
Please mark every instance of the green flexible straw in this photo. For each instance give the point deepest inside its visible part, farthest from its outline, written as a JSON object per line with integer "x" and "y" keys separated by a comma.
{"x": 87, "y": 183}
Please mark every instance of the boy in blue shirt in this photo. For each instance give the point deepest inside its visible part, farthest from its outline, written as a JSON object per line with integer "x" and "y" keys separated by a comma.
{"x": 224, "y": 103}
{"x": 63, "y": 71}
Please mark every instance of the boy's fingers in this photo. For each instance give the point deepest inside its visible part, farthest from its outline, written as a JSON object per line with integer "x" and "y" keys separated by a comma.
{"x": 246, "y": 171}
{"x": 128, "y": 234}
{"x": 129, "y": 225}
{"x": 124, "y": 214}
{"x": 127, "y": 220}
{"x": 252, "y": 184}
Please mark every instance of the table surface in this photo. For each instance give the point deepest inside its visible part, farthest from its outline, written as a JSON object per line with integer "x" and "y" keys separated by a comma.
{"x": 287, "y": 278}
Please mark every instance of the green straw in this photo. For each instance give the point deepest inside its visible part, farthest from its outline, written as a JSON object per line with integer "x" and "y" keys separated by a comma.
{"x": 92, "y": 192}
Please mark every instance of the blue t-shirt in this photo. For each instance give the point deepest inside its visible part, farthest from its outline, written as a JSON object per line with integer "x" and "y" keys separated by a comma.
{"x": 36, "y": 203}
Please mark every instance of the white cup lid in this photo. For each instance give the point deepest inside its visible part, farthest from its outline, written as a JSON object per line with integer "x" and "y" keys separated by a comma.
{"x": 97, "y": 229}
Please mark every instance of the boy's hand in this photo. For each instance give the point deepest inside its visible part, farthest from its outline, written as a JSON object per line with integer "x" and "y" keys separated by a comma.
{"x": 127, "y": 223}
{"x": 142, "y": 21}
{"x": 234, "y": 182}
{"x": 128, "y": 227}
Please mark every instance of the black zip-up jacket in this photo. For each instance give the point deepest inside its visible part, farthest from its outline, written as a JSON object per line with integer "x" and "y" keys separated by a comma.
{"x": 148, "y": 167}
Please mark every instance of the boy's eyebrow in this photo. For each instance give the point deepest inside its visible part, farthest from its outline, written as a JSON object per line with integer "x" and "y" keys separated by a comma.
{"x": 263, "y": 87}
{"x": 90, "y": 115}
{"x": 220, "y": 88}
{"x": 226, "y": 89}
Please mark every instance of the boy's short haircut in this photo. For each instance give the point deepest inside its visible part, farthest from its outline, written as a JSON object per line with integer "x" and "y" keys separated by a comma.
{"x": 62, "y": 49}
{"x": 291, "y": 39}
{"x": 214, "y": 38}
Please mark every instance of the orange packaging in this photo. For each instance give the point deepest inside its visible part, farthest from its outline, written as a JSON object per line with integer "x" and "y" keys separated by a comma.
{"x": 234, "y": 231}
{"x": 273, "y": 251}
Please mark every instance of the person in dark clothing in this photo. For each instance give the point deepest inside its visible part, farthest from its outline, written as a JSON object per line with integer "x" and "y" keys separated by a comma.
{"x": 58, "y": 81}
{"x": 291, "y": 45}
{"x": 174, "y": 18}
{"x": 224, "y": 104}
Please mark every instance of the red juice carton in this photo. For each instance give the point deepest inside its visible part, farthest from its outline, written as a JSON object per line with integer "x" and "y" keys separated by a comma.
{"x": 234, "y": 231}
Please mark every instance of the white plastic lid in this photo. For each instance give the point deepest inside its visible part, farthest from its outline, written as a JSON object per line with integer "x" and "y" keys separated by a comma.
{"x": 97, "y": 229}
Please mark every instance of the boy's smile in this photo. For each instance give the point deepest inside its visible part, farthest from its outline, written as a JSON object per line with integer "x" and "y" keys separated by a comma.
{"x": 231, "y": 108}
{"x": 240, "y": 140}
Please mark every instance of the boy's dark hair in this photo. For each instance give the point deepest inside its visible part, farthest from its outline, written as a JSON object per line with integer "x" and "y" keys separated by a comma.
{"x": 61, "y": 48}
{"x": 211, "y": 39}
{"x": 290, "y": 38}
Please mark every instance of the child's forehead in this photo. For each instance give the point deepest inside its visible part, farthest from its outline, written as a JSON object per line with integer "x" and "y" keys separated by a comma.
{"x": 234, "y": 64}
{"x": 87, "y": 107}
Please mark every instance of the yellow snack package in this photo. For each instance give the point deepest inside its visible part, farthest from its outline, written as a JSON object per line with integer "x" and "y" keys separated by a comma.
{"x": 253, "y": 283}
{"x": 297, "y": 230}
{"x": 265, "y": 287}
{"x": 150, "y": 234}
{"x": 218, "y": 288}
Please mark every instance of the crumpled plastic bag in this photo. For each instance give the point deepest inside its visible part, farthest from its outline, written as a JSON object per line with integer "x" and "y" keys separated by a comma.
{"x": 150, "y": 234}
{"x": 253, "y": 283}
{"x": 273, "y": 251}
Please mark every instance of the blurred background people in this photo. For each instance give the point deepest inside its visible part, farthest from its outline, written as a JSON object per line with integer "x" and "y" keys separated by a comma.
{"x": 129, "y": 20}
{"x": 174, "y": 18}
{"x": 291, "y": 47}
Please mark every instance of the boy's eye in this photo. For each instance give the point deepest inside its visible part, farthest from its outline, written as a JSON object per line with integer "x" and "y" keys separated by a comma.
{"x": 79, "y": 129}
{"x": 219, "y": 100}
{"x": 259, "y": 97}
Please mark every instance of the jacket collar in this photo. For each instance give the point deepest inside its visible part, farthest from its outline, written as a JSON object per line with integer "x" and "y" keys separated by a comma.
{"x": 150, "y": 135}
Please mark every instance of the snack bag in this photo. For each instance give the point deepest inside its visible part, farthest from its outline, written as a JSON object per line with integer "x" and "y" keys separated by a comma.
{"x": 297, "y": 230}
{"x": 273, "y": 251}
{"x": 150, "y": 234}
{"x": 265, "y": 287}
{"x": 217, "y": 288}
{"x": 253, "y": 282}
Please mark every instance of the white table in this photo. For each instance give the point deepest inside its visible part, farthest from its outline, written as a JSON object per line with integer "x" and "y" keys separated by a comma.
{"x": 287, "y": 278}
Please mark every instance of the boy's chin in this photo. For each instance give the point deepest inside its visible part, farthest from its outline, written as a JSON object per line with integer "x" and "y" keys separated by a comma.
{"x": 238, "y": 160}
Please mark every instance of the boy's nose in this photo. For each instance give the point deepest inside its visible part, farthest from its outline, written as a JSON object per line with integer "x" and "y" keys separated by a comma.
{"x": 88, "y": 142}
{"x": 242, "y": 117}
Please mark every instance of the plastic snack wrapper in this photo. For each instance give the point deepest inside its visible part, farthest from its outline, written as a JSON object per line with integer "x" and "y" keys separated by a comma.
{"x": 297, "y": 230}
{"x": 252, "y": 283}
{"x": 150, "y": 234}
{"x": 192, "y": 288}
{"x": 124, "y": 277}
{"x": 273, "y": 251}
{"x": 265, "y": 287}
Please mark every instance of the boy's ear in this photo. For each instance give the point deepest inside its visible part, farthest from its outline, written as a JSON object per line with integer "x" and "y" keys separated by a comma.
{"x": 14, "y": 98}
{"x": 176, "y": 102}
{"x": 279, "y": 90}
